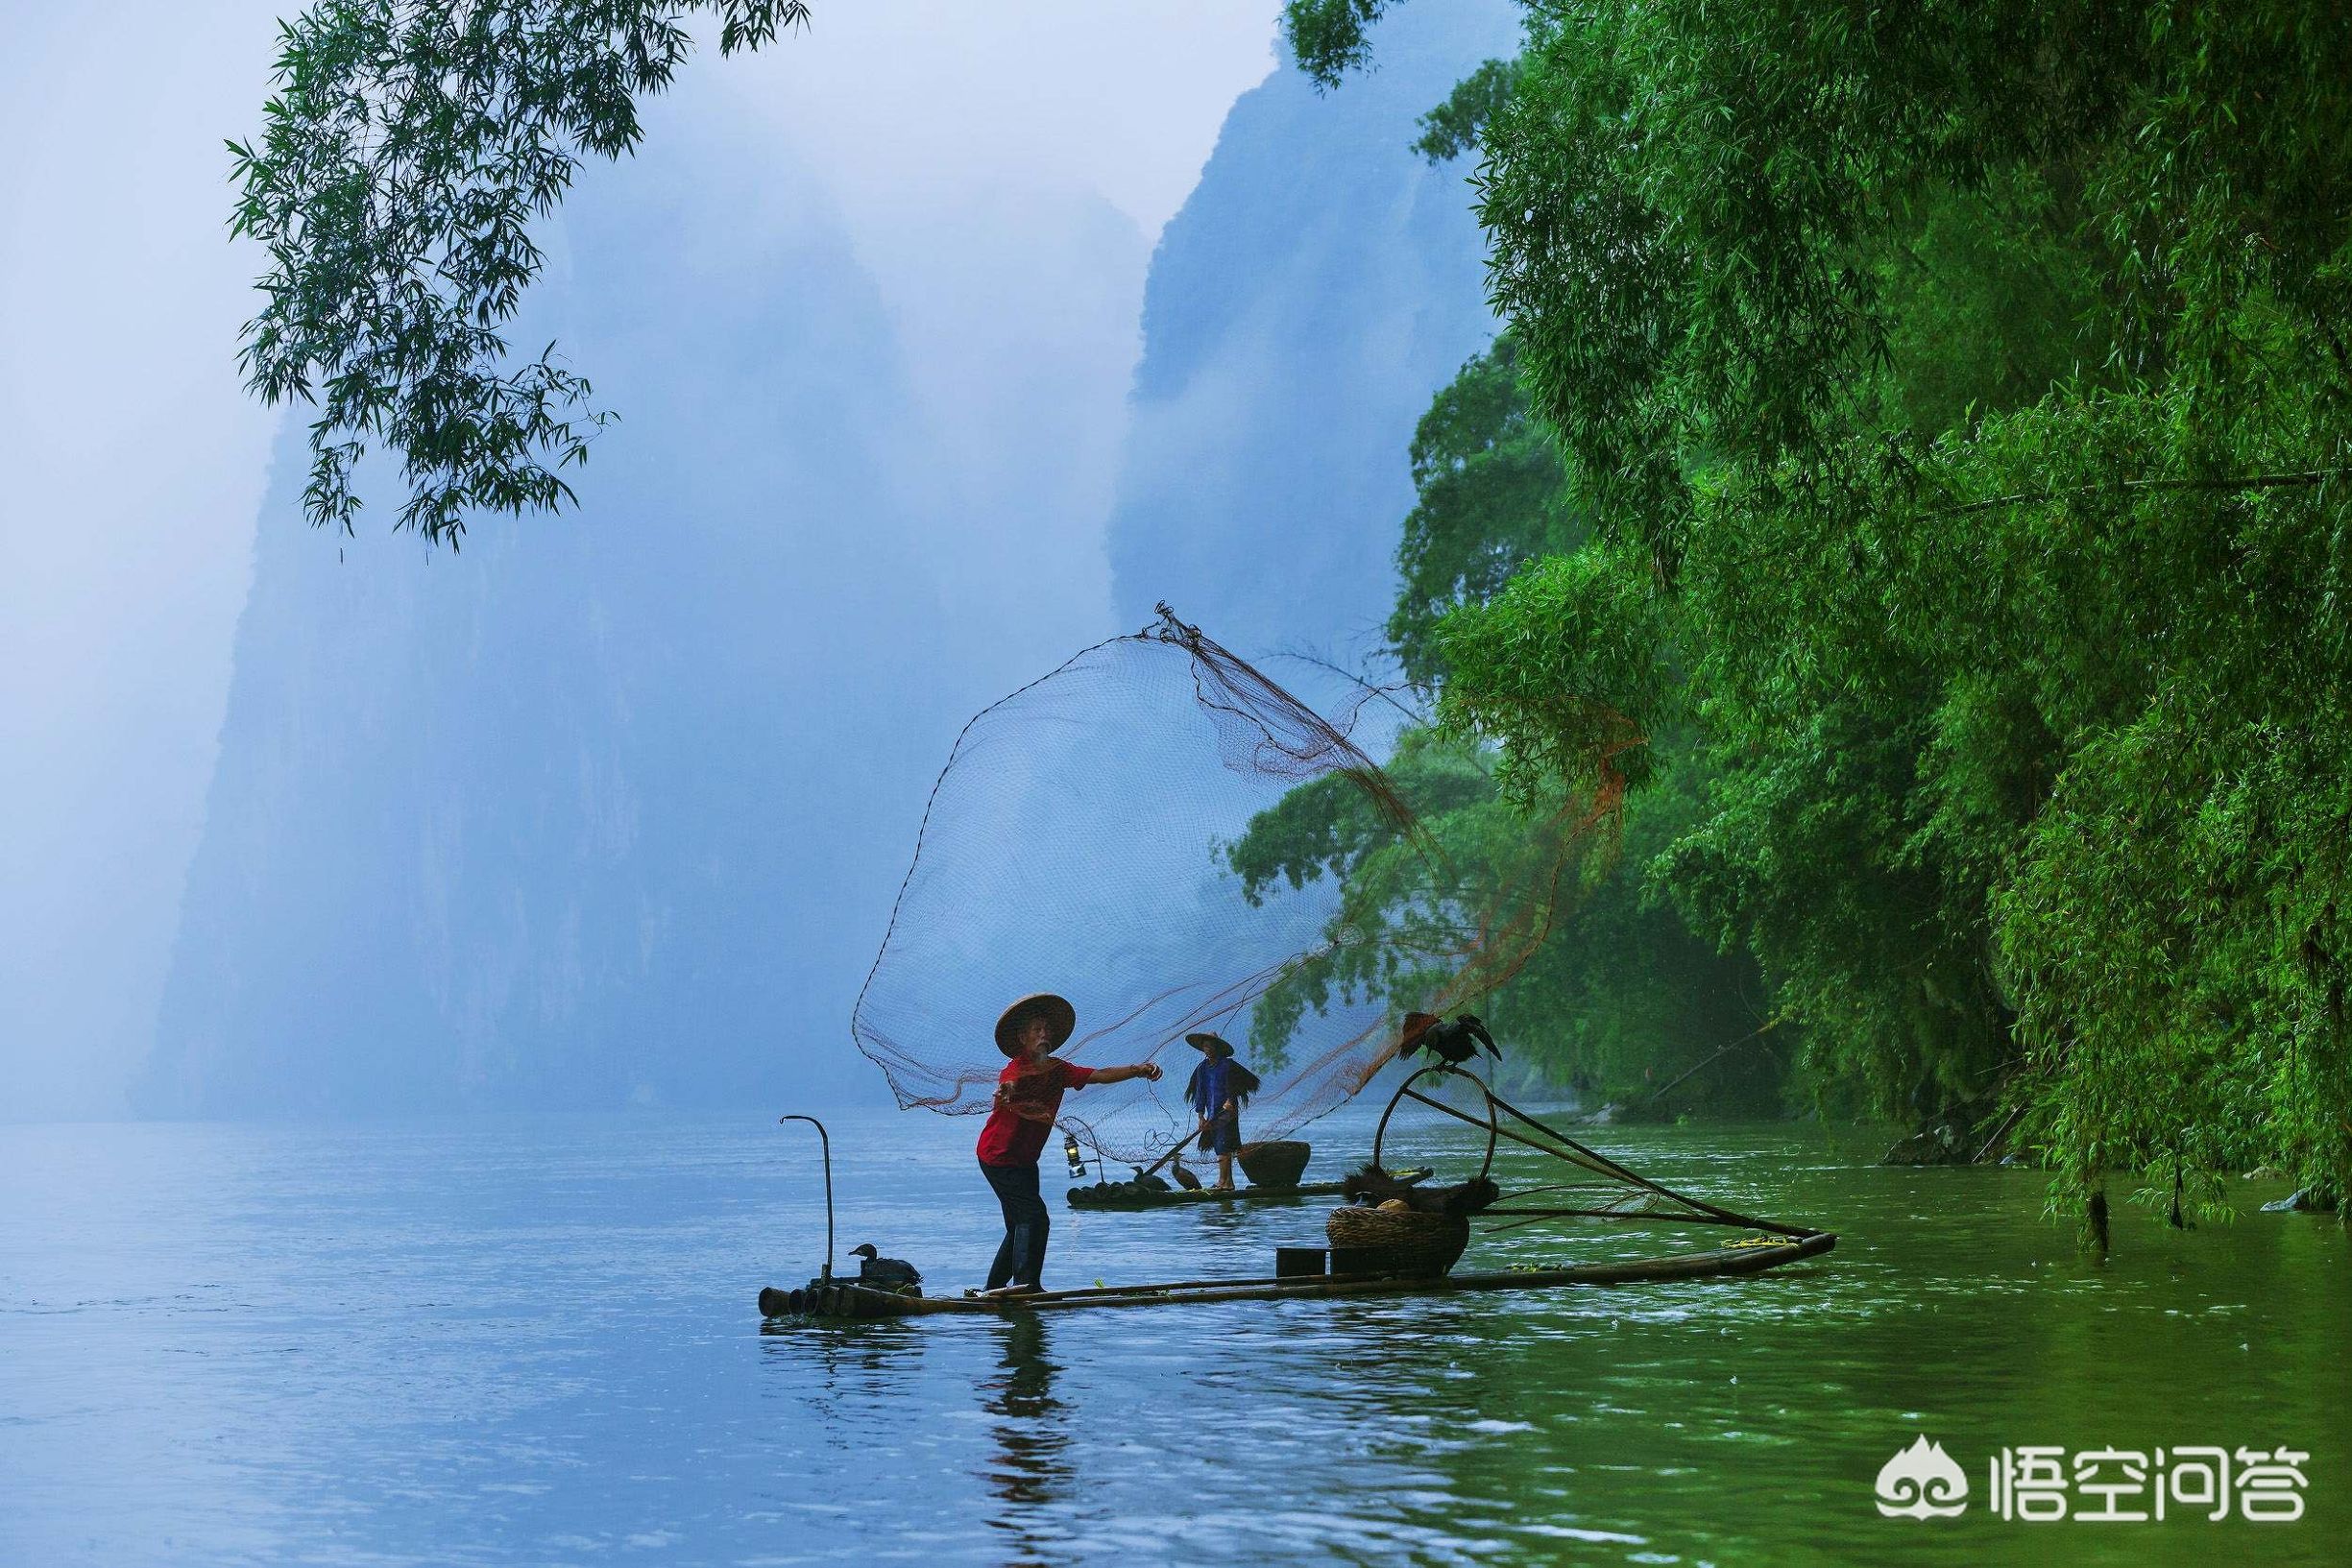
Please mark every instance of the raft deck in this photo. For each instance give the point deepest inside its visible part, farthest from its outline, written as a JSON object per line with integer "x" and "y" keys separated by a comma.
{"x": 1116, "y": 1200}
{"x": 842, "y": 1300}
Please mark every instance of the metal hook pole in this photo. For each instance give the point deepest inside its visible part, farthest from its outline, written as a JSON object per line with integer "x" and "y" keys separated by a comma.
{"x": 825, "y": 1144}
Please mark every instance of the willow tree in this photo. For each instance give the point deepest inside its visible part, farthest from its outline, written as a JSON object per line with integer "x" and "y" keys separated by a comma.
{"x": 406, "y": 153}
{"x": 1957, "y": 395}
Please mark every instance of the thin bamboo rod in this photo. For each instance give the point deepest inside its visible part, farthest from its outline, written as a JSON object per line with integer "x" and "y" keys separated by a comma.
{"x": 2246, "y": 481}
{"x": 1210, "y": 1195}
{"x": 1602, "y": 1214}
{"x": 1500, "y": 1132}
{"x": 1594, "y": 1160}
{"x": 1536, "y": 1217}
{"x": 1726, "y": 1260}
{"x": 1729, "y": 1217}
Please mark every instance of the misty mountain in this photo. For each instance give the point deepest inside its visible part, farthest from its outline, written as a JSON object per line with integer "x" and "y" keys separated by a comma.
{"x": 608, "y": 808}
{"x": 1320, "y": 285}
{"x": 611, "y": 808}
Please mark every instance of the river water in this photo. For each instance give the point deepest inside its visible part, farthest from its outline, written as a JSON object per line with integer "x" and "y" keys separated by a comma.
{"x": 533, "y": 1341}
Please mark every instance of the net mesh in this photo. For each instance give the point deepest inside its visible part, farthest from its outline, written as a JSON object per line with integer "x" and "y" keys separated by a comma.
{"x": 1079, "y": 840}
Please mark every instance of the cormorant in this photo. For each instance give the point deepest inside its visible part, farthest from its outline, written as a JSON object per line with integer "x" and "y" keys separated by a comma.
{"x": 1452, "y": 1041}
{"x": 881, "y": 1273}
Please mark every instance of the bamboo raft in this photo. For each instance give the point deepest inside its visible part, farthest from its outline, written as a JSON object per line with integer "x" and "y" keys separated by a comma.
{"x": 1120, "y": 1199}
{"x": 841, "y": 1299}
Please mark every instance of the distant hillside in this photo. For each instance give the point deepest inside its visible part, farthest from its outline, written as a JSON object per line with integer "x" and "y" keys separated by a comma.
{"x": 608, "y": 808}
{"x": 1321, "y": 283}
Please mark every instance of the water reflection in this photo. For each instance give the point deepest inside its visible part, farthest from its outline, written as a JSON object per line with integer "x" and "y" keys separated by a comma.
{"x": 868, "y": 1356}
{"x": 1029, "y": 1467}
{"x": 228, "y": 1287}
{"x": 846, "y": 1375}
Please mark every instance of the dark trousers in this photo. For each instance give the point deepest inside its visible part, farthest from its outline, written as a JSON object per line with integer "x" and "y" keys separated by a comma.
{"x": 1021, "y": 1257}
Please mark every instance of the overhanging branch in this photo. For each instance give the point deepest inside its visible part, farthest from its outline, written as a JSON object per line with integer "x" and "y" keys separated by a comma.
{"x": 2248, "y": 481}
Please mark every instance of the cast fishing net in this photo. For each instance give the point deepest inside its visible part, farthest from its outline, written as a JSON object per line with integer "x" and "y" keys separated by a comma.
{"x": 1082, "y": 839}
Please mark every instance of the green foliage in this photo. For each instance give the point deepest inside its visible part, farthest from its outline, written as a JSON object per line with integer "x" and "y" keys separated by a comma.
{"x": 1957, "y": 395}
{"x": 1396, "y": 921}
{"x": 1812, "y": 859}
{"x": 1989, "y": 302}
{"x": 406, "y": 154}
{"x": 1452, "y": 127}
{"x": 1329, "y": 36}
{"x": 2180, "y": 907}
{"x": 1573, "y": 662}
{"x": 1618, "y": 998}
{"x": 1628, "y": 997}
{"x": 1491, "y": 494}
{"x": 1329, "y": 827}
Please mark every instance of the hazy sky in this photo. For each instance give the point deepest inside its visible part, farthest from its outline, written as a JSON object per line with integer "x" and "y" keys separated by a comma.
{"x": 133, "y": 463}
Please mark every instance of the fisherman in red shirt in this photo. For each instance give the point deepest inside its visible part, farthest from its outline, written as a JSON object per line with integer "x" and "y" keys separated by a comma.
{"x": 1028, "y": 1098}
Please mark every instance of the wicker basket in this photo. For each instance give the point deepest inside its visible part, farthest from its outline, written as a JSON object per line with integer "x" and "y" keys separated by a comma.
{"x": 1407, "y": 1241}
{"x": 1276, "y": 1163}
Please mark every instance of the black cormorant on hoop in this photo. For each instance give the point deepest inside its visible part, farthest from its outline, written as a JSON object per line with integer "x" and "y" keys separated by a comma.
{"x": 1452, "y": 1041}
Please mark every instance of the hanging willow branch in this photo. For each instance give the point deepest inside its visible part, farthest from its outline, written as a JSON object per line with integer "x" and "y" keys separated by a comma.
{"x": 407, "y": 151}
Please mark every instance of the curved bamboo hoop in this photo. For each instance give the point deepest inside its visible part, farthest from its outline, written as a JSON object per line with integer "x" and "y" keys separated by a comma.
{"x": 1440, "y": 1069}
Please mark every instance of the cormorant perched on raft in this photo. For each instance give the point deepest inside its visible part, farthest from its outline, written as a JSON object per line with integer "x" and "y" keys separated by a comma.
{"x": 1452, "y": 1041}
{"x": 881, "y": 1273}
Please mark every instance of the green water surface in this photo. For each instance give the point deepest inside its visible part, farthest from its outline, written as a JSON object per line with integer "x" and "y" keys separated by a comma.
{"x": 533, "y": 1341}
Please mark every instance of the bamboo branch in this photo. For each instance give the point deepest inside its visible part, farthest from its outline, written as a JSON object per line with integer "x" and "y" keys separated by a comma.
{"x": 2249, "y": 481}
{"x": 1678, "y": 1082}
{"x": 1998, "y": 1134}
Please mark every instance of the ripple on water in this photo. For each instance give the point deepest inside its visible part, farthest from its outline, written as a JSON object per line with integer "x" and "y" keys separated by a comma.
{"x": 529, "y": 1339}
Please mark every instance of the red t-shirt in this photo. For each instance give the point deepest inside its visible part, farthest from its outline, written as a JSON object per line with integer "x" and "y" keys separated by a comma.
{"x": 1018, "y": 1127}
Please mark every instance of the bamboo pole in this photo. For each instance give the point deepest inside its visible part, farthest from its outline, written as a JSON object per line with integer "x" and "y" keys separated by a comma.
{"x": 1602, "y": 1214}
{"x": 1685, "y": 1077}
{"x": 1608, "y": 1167}
{"x": 1723, "y": 1262}
{"x": 1506, "y": 1133}
{"x": 1240, "y": 1195}
{"x": 2125, "y": 487}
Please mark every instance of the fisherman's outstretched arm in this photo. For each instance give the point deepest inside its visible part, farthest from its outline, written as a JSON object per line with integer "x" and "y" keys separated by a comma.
{"x": 1120, "y": 1074}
